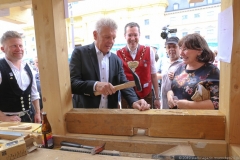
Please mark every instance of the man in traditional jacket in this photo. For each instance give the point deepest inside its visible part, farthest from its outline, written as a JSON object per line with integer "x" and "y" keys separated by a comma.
{"x": 18, "y": 87}
{"x": 141, "y": 59}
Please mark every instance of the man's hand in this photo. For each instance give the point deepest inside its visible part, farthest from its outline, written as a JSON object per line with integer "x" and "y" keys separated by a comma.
{"x": 37, "y": 118}
{"x": 171, "y": 102}
{"x": 141, "y": 105}
{"x": 157, "y": 104}
{"x": 5, "y": 118}
{"x": 171, "y": 75}
{"x": 105, "y": 88}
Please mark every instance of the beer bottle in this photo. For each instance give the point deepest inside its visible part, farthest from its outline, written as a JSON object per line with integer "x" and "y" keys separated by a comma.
{"x": 47, "y": 137}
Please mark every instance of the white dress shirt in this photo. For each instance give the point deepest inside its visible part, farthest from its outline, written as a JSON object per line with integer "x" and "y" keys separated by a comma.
{"x": 103, "y": 62}
{"x": 23, "y": 79}
{"x": 152, "y": 58}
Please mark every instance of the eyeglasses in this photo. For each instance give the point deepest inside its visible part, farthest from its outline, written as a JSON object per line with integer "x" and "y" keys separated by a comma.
{"x": 16, "y": 46}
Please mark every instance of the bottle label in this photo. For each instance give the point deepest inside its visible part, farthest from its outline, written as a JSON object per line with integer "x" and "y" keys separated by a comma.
{"x": 47, "y": 140}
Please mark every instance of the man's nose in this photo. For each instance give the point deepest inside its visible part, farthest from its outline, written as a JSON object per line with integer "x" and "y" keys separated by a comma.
{"x": 132, "y": 37}
{"x": 113, "y": 40}
{"x": 172, "y": 48}
{"x": 19, "y": 47}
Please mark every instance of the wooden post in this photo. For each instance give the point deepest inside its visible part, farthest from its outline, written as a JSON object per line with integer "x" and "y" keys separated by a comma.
{"x": 51, "y": 39}
{"x": 230, "y": 79}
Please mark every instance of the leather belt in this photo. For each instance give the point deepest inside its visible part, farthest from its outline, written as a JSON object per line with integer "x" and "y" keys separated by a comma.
{"x": 20, "y": 114}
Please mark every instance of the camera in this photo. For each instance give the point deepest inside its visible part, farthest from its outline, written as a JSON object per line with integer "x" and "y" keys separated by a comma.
{"x": 166, "y": 31}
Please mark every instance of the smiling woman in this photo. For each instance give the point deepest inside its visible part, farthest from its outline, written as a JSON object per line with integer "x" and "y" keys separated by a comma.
{"x": 197, "y": 68}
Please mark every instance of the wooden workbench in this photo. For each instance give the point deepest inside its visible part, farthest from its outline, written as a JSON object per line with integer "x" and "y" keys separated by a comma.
{"x": 51, "y": 39}
{"x": 136, "y": 146}
{"x": 49, "y": 154}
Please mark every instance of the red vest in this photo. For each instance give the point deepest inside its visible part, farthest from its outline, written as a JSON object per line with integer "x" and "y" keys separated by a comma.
{"x": 143, "y": 70}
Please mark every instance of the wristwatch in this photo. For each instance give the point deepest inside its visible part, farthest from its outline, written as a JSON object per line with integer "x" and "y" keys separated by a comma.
{"x": 156, "y": 98}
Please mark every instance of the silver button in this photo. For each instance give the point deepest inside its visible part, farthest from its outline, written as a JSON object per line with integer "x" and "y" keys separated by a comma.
{"x": 21, "y": 98}
{"x": 29, "y": 99}
{"x": 22, "y": 102}
{"x": 23, "y": 106}
{"x": 29, "y": 95}
{"x": 29, "y": 106}
{"x": 23, "y": 109}
{"x": 29, "y": 102}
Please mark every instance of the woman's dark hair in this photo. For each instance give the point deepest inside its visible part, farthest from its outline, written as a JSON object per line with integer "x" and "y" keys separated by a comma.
{"x": 197, "y": 42}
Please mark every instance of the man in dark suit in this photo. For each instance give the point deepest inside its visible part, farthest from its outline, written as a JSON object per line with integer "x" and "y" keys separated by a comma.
{"x": 94, "y": 68}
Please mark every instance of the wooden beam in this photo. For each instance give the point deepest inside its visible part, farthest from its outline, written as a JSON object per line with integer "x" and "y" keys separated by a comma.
{"x": 18, "y": 15}
{"x": 14, "y": 3}
{"x": 230, "y": 79}
{"x": 234, "y": 151}
{"x": 17, "y": 3}
{"x": 20, "y": 12}
{"x": 202, "y": 124}
{"x": 195, "y": 1}
{"x": 27, "y": 6}
{"x": 51, "y": 39}
{"x": 42, "y": 153}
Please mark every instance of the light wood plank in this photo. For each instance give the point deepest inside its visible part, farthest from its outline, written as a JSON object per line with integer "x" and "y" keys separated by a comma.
{"x": 52, "y": 53}
{"x": 18, "y": 3}
{"x": 46, "y": 154}
{"x": 18, "y": 15}
{"x": 185, "y": 150}
{"x": 234, "y": 151}
{"x": 14, "y": 3}
{"x": 230, "y": 79}
{"x": 159, "y": 123}
{"x": 147, "y": 145}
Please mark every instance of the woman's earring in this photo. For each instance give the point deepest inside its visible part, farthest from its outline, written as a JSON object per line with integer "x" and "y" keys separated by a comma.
{"x": 199, "y": 57}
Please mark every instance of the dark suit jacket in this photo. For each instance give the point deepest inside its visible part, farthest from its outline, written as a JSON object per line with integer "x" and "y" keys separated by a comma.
{"x": 84, "y": 72}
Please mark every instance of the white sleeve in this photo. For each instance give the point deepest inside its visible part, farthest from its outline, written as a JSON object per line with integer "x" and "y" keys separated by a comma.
{"x": 0, "y": 77}
{"x": 153, "y": 62}
{"x": 34, "y": 90}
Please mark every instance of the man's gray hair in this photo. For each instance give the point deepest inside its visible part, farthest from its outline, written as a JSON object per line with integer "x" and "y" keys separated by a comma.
{"x": 10, "y": 34}
{"x": 105, "y": 22}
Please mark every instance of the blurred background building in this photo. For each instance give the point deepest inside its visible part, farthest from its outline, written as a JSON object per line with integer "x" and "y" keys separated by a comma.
{"x": 151, "y": 15}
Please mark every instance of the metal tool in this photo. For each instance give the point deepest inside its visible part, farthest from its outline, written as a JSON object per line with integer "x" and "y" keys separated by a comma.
{"x": 175, "y": 157}
{"x": 83, "y": 150}
{"x": 98, "y": 149}
{"x": 129, "y": 84}
{"x": 9, "y": 133}
{"x": 69, "y": 144}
